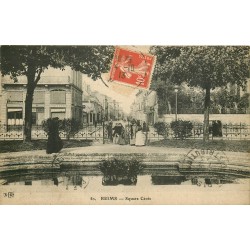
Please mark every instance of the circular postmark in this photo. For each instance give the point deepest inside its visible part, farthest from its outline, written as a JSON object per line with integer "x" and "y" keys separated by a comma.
{"x": 206, "y": 158}
{"x": 204, "y": 166}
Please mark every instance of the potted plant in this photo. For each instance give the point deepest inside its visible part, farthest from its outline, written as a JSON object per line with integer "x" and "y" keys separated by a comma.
{"x": 120, "y": 171}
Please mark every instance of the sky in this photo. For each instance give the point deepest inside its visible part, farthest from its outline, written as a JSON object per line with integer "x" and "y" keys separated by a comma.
{"x": 119, "y": 92}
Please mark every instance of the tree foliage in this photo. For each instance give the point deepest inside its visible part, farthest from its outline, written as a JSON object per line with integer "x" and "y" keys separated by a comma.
{"x": 90, "y": 60}
{"x": 203, "y": 65}
{"x": 229, "y": 100}
{"x": 190, "y": 100}
{"x": 207, "y": 67}
{"x": 31, "y": 61}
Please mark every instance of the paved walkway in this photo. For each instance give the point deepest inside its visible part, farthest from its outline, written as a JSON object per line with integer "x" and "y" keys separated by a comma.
{"x": 124, "y": 149}
{"x": 102, "y": 149}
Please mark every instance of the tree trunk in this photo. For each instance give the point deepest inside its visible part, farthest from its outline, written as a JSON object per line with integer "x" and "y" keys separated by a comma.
{"x": 31, "y": 85}
{"x": 28, "y": 114}
{"x": 206, "y": 114}
{"x": 28, "y": 104}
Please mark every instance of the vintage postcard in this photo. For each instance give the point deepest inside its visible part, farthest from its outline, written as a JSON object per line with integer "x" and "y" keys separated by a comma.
{"x": 125, "y": 125}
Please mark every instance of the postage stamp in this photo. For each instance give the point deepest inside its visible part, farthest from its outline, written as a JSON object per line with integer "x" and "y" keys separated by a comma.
{"x": 133, "y": 68}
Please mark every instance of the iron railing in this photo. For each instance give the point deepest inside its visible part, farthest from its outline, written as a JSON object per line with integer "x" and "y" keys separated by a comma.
{"x": 102, "y": 133}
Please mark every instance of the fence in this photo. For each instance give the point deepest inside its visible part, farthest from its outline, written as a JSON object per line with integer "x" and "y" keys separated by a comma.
{"x": 192, "y": 110}
{"x": 226, "y": 132}
{"x": 88, "y": 132}
{"x": 101, "y": 133}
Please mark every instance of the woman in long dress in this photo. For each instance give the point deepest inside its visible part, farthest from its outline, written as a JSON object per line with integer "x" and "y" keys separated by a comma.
{"x": 117, "y": 133}
{"x": 140, "y": 138}
{"x": 133, "y": 130}
{"x": 122, "y": 137}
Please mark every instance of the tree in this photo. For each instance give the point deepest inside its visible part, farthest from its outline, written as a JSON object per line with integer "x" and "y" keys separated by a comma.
{"x": 189, "y": 99}
{"x": 31, "y": 61}
{"x": 244, "y": 102}
{"x": 204, "y": 66}
{"x": 229, "y": 100}
{"x": 164, "y": 91}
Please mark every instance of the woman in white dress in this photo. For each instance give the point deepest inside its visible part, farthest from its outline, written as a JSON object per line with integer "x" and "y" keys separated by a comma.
{"x": 140, "y": 138}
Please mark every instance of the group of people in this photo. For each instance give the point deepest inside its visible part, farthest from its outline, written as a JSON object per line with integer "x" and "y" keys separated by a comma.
{"x": 133, "y": 134}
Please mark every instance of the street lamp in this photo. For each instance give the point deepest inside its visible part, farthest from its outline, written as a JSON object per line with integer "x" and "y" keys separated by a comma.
{"x": 176, "y": 91}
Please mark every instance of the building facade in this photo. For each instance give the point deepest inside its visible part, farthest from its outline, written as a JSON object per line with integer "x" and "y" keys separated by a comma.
{"x": 92, "y": 109}
{"x": 98, "y": 107}
{"x": 58, "y": 94}
{"x": 145, "y": 107}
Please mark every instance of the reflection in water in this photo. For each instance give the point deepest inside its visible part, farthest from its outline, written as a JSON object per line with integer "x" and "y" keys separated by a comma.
{"x": 45, "y": 177}
{"x": 77, "y": 177}
{"x": 167, "y": 180}
{"x": 199, "y": 181}
{"x": 113, "y": 180}
{"x": 56, "y": 182}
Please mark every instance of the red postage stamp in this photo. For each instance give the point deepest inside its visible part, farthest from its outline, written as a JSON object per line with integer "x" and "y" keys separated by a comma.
{"x": 132, "y": 68}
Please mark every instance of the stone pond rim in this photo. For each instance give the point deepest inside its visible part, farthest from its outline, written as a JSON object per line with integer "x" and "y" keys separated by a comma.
{"x": 163, "y": 164}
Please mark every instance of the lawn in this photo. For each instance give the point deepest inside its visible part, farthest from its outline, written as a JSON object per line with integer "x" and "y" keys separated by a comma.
{"x": 16, "y": 146}
{"x": 220, "y": 145}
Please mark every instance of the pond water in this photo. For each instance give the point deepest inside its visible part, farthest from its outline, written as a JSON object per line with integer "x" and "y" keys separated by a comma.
{"x": 78, "y": 178}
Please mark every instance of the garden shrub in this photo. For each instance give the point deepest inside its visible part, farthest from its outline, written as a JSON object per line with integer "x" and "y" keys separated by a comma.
{"x": 182, "y": 129}
{"x": 70, "y": 127}
{"x": 162, "y": 128}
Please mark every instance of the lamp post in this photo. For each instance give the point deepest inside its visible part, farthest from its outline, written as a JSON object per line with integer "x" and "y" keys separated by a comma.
{"x": 103, "y": 128}
{"x": 176, "y": 101}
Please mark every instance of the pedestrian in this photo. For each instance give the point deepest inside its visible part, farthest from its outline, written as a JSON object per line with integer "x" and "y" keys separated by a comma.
{"x": 127, "y": 134}
{"x": 110, "y": 128}
{"x": 144, "y": 127}
{"x": 140, "y": 138}
{"x": 117, "y": 133}
{"x": 54, "y": 144}
{"x": 133, "y": 130}
{"x": 122, "y": 137}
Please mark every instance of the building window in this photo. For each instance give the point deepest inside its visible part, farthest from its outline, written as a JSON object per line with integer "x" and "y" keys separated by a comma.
{"x": 15, "y": 116}
{"x": 59, "y": 113}
{"x": 39, "y": 97}
{"x": 58, "y": 96}
{"x": 37, "y": 116}
{"x": 15, "y": 96}
{"x": 33, "y": 118}
{"x": 85, "y": 117}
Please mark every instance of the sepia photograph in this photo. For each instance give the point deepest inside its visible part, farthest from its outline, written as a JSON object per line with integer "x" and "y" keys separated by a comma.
{"x": 124, "y": 125}
{"x": 83, "y": 124}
